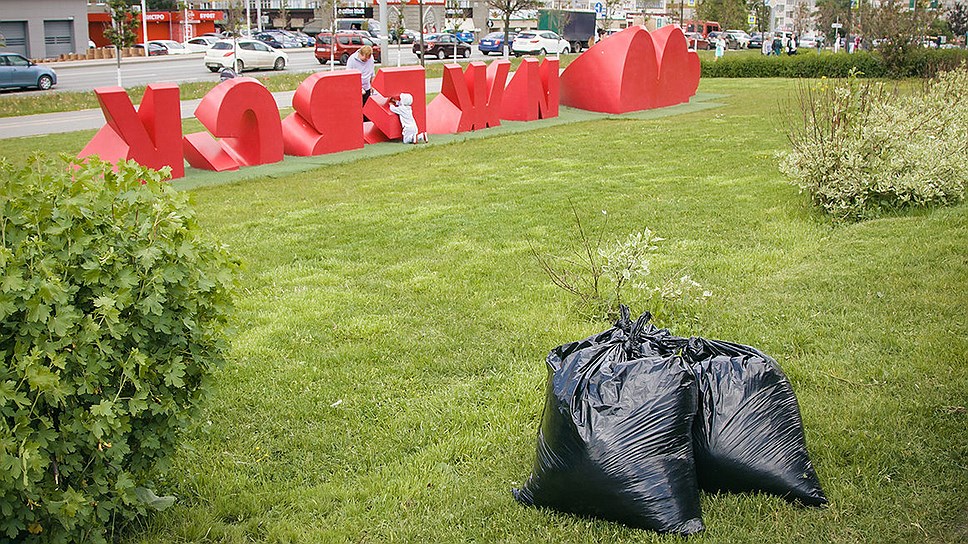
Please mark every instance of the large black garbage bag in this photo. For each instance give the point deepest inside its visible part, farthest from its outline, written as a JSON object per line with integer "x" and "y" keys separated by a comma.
{"x": 614, "y": 440}
{"x": 748, "y": 434}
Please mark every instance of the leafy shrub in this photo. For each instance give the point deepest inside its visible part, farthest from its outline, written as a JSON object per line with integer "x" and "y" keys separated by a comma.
{"x": 112, "y": 310}
{"x": 921, "y": 62}
{"x": 860, "y": 149}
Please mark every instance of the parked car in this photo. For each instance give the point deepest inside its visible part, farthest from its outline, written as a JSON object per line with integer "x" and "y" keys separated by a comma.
{"x": 154, "y": 49}
{"x": 737, "y": 39}
{"x": 278, "y": 39}
{"x": 442, "y": 46}
{"x": 695, "y": 41}
{"x": 346, "y": 44}
{"x": 252, "y": 54}
{"x": 756, "y": 40}
{"x": 173, "y": 47}
{"x": 200, "y": 44}
{"x": 539, "y": 42}
{"x": 807, "y": 42}
{"x": 17, "y": 71}
{"x": 713, "y": 37}
{"x": 305, "y": 39}
{"x": 465, "y": 36}
{"x": 494, "y": 42}
{"x": 406, "y": 36}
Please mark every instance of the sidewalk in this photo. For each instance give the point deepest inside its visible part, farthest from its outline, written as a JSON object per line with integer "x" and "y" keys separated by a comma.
{"x": 72, "y": 121}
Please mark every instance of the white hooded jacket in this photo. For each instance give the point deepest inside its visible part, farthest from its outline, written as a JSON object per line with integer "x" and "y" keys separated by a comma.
{"x": 405, "y": 111}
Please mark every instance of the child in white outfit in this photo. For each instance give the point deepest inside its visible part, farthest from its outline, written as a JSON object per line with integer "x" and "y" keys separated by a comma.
{"x": 403, "y": 107}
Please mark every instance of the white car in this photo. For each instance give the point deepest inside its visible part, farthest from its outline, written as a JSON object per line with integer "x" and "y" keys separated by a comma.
{"x": 200, "y": 44}
{"x": 251, "y": 54}
{"x": 173, "y": 47}
{"x": 539, "y": 42}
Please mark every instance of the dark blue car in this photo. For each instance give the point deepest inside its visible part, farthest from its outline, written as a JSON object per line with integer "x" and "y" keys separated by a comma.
{"x": 494, "y": 42}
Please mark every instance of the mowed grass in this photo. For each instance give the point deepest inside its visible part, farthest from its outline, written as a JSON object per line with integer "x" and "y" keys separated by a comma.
{"x": 387, "y": 370}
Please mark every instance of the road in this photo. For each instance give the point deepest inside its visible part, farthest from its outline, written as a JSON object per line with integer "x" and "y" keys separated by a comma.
{"x": 87, "y": 75}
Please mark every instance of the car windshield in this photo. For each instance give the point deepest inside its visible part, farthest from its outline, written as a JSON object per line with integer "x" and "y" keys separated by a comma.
{"x": 222, "y": 45}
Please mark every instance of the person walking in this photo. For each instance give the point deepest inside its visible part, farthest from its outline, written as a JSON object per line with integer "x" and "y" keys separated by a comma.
{"x": 362, "y": 60}
{"x": 767, "y": 45}
{"x": 777, "y": 45}
{"x": 792, "y": 45}
{"x": 720, "y": 46}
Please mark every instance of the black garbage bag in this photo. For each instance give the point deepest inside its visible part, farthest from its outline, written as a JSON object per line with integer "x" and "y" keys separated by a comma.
{"x": 615, "y": 439}
{"x": 748, "y": 434}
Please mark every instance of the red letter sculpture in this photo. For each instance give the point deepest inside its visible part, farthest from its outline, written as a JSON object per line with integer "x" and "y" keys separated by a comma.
{"x": 532, "y": 93}
{"x": 677, "y": 82}
{"x": 152, "y": 136}
{"x": 468, "y": 100}
{"x": 327, "y": 116}
{"x": 243, "y": 113}
{"x": 617, "y": 75}
{"x": 385, "y": 125}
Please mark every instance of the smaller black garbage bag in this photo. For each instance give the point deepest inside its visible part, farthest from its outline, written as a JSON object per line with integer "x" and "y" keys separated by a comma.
{"x": 748, "y": 434}
{"x": 615, "y": 440}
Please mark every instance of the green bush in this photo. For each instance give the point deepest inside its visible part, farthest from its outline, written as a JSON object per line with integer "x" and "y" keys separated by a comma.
{"x": 809, "y": 64}
{"x": 861, "y": 149}
{"x": 112, "y": 312}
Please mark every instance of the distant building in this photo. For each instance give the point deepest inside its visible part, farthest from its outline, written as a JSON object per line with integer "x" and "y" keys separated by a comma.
{"x": 44, "y": 28}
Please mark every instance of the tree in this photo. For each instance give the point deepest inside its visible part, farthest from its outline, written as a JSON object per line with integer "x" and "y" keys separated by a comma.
{"x": 829, "y": 12}
{"x": 729, "y": 13}
{"x": 900, "y": 30}
{"x": 453, "y": 20}
{"x": 163, "y": 5}
{"x": 123, "y": 31}
{"x": 608, "y": 10}
{"x": 957, "y": 16}
{"x": 762, "y": 13}
{"x": 507, "y": 9}
{"x": 802, "y": 19}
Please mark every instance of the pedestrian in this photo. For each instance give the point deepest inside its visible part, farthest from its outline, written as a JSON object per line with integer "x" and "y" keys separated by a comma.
{"x": 720, "y": 46}
{"x": 767, "y": 45}
{"x": 403, "y": 106}
{"x": 819, "y": 43}
{"x": 792, "y": 45}
{"x": 362, "y": 60}
{"x": 777, "y": 45}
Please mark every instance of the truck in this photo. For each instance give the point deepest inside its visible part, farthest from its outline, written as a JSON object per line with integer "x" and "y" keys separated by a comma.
{"x": 577, "y": 27}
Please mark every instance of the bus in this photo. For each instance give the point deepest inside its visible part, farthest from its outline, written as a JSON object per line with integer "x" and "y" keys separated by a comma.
{"x": 702, "y": 27}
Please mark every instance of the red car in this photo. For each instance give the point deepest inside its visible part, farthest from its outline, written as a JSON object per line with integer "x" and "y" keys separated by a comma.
{"x": 347, "y": 43}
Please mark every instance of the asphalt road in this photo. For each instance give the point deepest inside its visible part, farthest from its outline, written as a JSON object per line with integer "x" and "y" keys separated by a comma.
{"x": 87, "y": 75}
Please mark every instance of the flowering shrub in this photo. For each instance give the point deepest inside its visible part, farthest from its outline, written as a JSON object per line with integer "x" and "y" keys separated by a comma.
{"x": 112, "y": 307}
{"x": 860, "y": 149}
{"x": 605, "y": 276}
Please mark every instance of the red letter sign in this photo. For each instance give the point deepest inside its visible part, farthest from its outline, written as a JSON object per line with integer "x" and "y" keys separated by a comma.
{"x": 385, "y": 124}
{"x": 152, "y": 136}
{"x": 243, "y": 113}
{"x": 468, "y": 100}
{"x": 533, "y": 92}
{"x": 327, "y": 117}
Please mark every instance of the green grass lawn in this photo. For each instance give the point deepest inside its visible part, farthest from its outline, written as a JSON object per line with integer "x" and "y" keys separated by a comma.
{"x": 387, "y": 370}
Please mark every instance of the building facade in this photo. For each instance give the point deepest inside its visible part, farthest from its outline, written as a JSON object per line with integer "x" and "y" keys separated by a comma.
{"x": 43, "y": 28}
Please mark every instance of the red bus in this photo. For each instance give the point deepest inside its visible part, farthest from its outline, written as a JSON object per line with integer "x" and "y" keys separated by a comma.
{"x": 702, "y": 27}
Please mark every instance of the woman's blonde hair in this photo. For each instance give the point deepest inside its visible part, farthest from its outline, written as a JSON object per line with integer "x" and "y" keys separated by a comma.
{"x": 366, "y": 51}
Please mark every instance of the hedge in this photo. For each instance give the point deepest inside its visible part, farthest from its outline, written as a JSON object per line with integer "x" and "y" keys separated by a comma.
{"x": 809, "y": 64}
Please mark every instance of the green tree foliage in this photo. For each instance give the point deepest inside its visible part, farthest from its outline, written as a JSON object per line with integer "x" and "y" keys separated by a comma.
{"x": 957, "y": 16}
{"x": 124, "y": 29}
{"x": 762, "y": 12}
{"x": 829, "y": 12}
{"x": 113, "y": 304}
{"x": 507, "y": 9}
{"x": 729, "y": 13}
